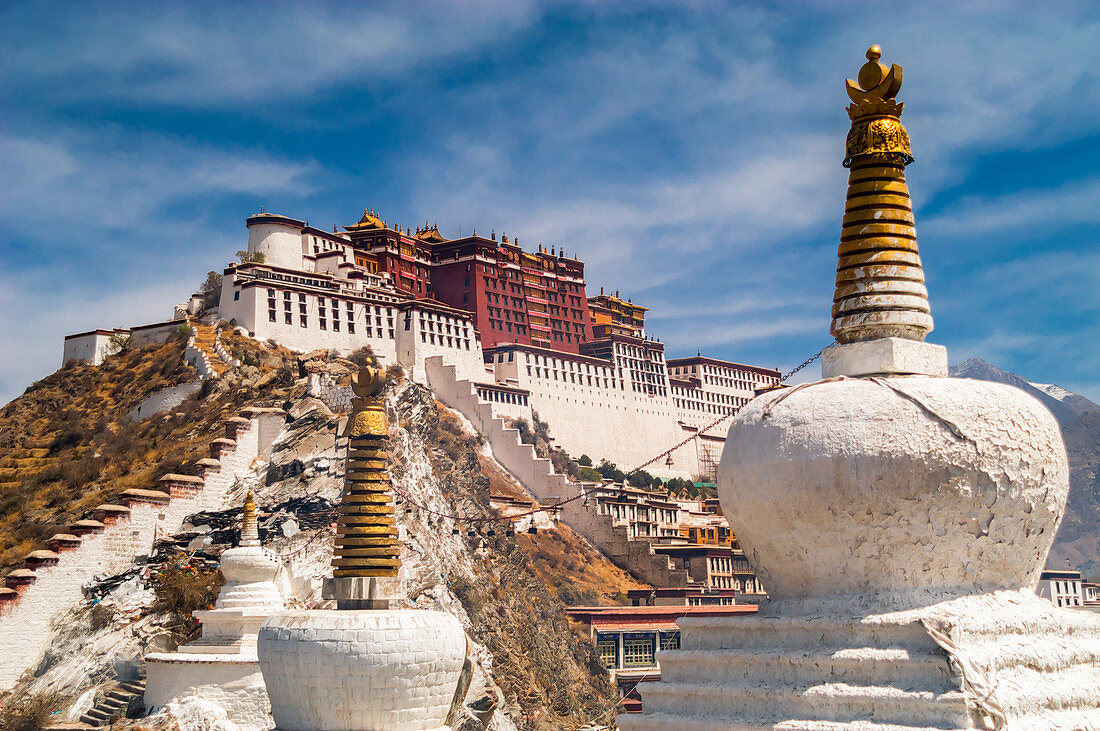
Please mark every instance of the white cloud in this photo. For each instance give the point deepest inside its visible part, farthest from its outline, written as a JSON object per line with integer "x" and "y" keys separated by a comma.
{"x": 1071, "y": 203}
{"x": 229, "y": 54}
{"x": 37, "y": 333}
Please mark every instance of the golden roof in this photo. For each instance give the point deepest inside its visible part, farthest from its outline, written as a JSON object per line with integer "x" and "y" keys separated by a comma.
{"x": 430, "y": 235}
{"x": 368, "y": 221}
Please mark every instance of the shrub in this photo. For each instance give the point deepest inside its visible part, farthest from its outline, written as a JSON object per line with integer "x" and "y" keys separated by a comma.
{"x": 29, "y": 713}
{"x": 119, "y": 341}
{"x": 585, "y": 461}
{"x": 245, "y": 256}
{"x": 362, "y": 356}
{"x": 185, "y": 331}
{"x": 587, "y": 474}
{"x": 182, "y": 587}
{"x": 212, "y": 283}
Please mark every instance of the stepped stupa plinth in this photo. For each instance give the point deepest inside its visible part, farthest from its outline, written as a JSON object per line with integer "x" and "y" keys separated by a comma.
{"x": 363, "y": 666}
{"x": 222, "y": 667}
{"x": 898, "y": 518}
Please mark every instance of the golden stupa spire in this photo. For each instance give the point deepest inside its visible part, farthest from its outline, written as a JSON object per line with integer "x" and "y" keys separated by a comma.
{"x": 880, "y": 290}
{"x": 366, "y": 535}
{"x": 250, "y": 532}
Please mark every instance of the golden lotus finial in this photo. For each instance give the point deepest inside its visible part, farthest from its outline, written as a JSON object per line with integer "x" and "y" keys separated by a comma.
{"x": 250, "y": 534}
{"x": 876, "y": 84}
{"x": 369, "y": 381}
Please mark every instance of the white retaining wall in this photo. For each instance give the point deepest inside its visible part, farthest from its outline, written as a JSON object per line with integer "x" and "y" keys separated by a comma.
{"x": 537, "y": 475}
{"x": 27, "y": 626}
{"x": 163, "y": 400}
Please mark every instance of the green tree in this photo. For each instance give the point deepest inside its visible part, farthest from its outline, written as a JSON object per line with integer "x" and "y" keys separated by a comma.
{"x": 585, "y": 461}
{"x": 254, "y": 257}
{"x": 610, "y": 471}
{"x": 212, "y": 283}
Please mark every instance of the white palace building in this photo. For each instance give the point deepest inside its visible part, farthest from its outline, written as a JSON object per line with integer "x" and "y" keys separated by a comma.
{"x": 517, "y": 327}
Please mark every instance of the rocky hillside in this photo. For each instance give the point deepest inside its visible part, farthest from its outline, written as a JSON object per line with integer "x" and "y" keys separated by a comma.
{"x": 508, "y": 586}
{"x": 1078, "y": 540}
{"x": 73, "y": 440}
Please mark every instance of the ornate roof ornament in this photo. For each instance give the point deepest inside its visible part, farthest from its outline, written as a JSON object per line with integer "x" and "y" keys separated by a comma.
{"x": 369, "y": 220}
{"x": 875, "y": 113}
{"x": 366, "y": 531}
{"x": 250, "y": 532}
{"x": 880, "y": 290}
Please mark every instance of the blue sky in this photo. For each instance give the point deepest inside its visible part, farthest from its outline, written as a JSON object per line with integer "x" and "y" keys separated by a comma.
{"x": 689, "y": 153}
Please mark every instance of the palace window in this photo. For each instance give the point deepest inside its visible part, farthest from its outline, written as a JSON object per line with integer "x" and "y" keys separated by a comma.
{"x": 607, "y": 646}
{"x": 638, "y": 650}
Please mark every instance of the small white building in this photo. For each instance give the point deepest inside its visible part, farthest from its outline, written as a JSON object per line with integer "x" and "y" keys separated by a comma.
{"x": 1063, "y": 587}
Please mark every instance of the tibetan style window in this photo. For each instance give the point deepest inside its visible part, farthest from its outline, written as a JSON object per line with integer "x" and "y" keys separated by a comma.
{"x": 607, "y": 647}
{"x": 638, "y": 650}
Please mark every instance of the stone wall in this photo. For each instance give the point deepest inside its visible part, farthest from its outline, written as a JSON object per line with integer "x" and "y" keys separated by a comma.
{"x": 164, "y": 400}
{"x": 105, "y": 543}
{"x": 537, "y": 475}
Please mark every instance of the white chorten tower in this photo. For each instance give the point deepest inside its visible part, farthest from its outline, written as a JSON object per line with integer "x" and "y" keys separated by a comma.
{"x": 364, "y": 666}
{"x": 898, "y": 518}
{"x": 222, "y": 667}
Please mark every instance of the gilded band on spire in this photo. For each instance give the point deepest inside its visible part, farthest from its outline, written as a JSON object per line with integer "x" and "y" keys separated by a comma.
{"x": 366, "y": 536}
{"x": 250, "y": 532}
{"x": 880, "y": 288}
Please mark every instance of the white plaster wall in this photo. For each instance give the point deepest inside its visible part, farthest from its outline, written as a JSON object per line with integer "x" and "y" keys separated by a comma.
{"x": 163, "y": 400}
{"x": 26, "y": 628}
{"x": 233, "y": 683}
{"x": 251, "y": 313}
{"x": 281, "y": 244}
{"x": 462, "y": 351}
{"x": 91, "y": 348}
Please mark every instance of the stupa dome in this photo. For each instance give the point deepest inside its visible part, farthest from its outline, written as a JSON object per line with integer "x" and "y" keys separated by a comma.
{"x": 889, "y": 493}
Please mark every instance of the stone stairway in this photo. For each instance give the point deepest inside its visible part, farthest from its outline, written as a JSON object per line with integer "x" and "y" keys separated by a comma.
{"x": 114, "y": 704}
{"x": 108, "y": 540}
{"x": 537, "y": 475}
{"x": 1008, "y": 660}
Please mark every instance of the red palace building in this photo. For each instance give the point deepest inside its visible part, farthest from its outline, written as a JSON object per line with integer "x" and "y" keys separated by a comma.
{"x": 531, "y": 298}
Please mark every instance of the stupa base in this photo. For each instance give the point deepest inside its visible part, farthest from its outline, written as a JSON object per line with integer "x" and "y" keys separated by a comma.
{"x": 231, "y": 681}
{"x": 1008, "y": 659}
{"x": 337, "y": 670}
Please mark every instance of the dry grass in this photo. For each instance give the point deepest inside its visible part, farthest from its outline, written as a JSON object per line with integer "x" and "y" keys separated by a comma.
{"x": 29, "y": 713}
{"x": 66, "y": 445}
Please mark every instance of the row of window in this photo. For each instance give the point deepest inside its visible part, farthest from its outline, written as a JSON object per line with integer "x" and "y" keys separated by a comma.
{"x": 620, "y": 650}
{"x": 502, "y": 397}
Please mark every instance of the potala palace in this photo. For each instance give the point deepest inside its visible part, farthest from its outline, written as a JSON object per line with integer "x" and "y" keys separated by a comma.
{"x": 517, "y": 326}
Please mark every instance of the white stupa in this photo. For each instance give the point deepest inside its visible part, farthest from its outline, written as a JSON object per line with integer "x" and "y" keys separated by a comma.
{"x": 221, "y": 668}
{"x": 898, "y": 518}
{"x": 364, "y": 666}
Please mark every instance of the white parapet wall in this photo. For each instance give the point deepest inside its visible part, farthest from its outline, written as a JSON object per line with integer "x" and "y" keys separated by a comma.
{"x": 128, "y": 530}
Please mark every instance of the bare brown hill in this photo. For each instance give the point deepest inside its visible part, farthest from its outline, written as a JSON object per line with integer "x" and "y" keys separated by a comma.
{"x": 66, "y": 444}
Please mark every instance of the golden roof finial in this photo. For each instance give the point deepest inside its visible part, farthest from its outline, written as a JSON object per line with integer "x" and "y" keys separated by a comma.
{"x": 880, "y": 290}
{"x": 366, "y": 538}
{"x": 250, "y": 532}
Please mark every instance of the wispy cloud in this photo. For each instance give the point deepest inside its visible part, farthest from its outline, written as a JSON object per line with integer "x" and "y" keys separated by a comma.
{"x": 218, "y": 54}
{"x": 1072, "y": 203}
{"x": 689, "y": 153}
